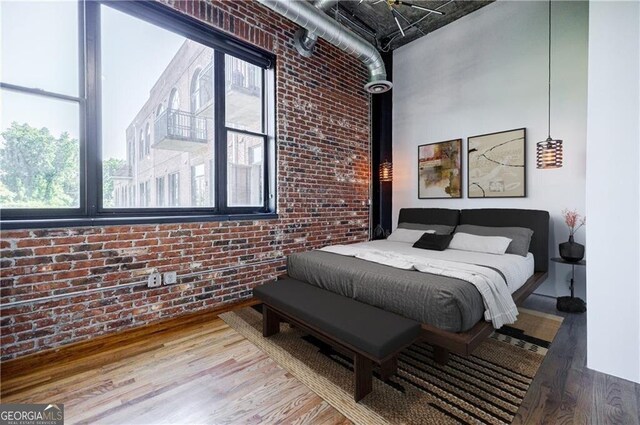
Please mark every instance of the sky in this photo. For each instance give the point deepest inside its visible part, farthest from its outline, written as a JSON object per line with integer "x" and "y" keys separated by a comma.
{"x": 39, "y": 49}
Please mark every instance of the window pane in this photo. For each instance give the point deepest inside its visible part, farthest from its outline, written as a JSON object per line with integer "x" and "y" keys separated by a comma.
{"x": 243, "y": 87}
{"x": 157, "y": 115}
{"x": 245, "y": 170}
{"x": 39, "y": 152}
{"x": 39, "y": 45}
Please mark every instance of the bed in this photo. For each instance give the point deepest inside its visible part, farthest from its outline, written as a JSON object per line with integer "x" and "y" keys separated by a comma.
{"x": 450, "y": 309}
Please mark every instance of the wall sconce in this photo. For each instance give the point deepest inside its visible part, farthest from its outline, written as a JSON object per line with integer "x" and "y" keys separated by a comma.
{"x": 386, "y": 171}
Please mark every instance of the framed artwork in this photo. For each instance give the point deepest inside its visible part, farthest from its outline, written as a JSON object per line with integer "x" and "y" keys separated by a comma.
{"x": 440, "y": 170}
{"x": 497, "y": 165}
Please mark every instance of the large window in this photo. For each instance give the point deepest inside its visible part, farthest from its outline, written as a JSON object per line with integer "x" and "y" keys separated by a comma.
{"x": 116, "y": 150}
{"x": 41, "y": 108}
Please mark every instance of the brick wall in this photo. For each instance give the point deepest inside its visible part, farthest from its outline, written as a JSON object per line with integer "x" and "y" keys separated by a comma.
{"x": 323, "y": 169}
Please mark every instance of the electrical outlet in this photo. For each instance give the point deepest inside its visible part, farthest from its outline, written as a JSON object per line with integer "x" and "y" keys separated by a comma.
{"x": 170, "y": 278}
{"x": 155, "y": 280}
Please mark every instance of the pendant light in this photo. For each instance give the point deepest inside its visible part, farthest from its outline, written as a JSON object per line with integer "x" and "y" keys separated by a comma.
{"x": 549, "y": 152}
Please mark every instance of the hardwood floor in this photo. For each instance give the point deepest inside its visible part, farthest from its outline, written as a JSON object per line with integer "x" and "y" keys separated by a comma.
{"x": 564, "y": 391}
{"x": 204, "y": 372}
{"x": 199, "y": 373}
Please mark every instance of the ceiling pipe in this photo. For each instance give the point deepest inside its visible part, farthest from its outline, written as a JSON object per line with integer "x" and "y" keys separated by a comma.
{"x": 319, "y": 24}
{"x": 303, "y": 39}
{"x": 324, "y": 4}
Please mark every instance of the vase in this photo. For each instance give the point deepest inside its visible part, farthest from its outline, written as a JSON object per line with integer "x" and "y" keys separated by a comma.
{"x": 571, "y": 251}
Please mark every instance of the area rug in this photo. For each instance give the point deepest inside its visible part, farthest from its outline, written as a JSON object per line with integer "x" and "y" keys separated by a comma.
{"x": 486, "y": 388}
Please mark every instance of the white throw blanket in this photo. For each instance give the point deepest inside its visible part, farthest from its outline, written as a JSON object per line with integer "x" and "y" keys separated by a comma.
{"x": 499, "y": 306}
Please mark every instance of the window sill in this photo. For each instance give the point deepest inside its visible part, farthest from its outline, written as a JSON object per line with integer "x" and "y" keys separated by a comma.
{"x": 116, "y": 221}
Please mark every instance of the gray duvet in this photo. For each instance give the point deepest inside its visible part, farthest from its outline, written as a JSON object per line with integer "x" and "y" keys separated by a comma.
{"x": 447, "y": 303}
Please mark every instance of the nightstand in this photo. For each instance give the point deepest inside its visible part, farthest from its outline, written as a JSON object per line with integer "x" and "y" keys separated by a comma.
{"x": 571, "y": 304}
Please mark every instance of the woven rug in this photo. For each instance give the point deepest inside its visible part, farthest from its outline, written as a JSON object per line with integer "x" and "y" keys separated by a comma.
{"x": 485, "y": 388}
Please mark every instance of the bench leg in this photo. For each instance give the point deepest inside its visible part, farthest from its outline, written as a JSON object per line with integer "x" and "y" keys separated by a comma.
{"x": 440, "y": 355}
{"x": 270, "y": 321}
{"x": 389, "y": 368}
{"x": 363, "y": 368}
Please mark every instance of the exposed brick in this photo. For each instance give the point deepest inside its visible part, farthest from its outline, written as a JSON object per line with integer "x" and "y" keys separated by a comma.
{"x": 33, "y": 261}
{"x": 64, "y": 258}
{"x": 86, "y": 247}
{"x": 71, "y": 240}
{"x": 15, "y": 253}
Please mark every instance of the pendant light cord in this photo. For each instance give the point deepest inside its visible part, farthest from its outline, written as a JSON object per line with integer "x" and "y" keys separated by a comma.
{"x": 549, "y": 94}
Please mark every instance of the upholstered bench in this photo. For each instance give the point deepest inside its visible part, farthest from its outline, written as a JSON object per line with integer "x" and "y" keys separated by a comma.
{"x": 370, "y": 335}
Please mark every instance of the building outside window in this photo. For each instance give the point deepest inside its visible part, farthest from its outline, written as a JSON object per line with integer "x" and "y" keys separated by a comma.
{"x": 160, "y": 192}
{"x": 144, "y": 194}
{"x": 174, "y": 189}
{"x": 198, "y": 185}
{"x": 141, "y": 146}
{"x": 195, "y": 91}
{"x": 147, "y": 140}
{"x": 131, "y": 152}
{"x": 162, "y": 132}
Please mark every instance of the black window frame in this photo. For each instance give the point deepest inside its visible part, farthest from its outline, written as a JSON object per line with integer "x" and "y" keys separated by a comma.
{"x": 91, "y": 211}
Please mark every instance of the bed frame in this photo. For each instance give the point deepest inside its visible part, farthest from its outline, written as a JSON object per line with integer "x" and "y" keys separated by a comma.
{"x": 463, "y": 343}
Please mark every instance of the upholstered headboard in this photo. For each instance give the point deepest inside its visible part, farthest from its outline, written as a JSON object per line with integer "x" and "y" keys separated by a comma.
{"x": 536, "y": 220}
{"x": 429, "y": 216}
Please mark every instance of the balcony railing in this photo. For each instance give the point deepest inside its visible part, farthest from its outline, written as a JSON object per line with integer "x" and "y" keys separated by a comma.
{"x": 179, "y": 130}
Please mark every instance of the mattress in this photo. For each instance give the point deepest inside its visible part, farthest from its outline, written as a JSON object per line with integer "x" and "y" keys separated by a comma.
{"x": 448, "y": 303}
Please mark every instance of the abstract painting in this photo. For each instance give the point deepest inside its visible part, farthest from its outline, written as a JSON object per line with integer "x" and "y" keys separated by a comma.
{"x": 440, "y": 170}
{"x": 497, "y": 165}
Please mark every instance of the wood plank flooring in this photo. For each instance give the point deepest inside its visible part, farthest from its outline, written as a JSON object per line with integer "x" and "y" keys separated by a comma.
{"x": 199, "y": 373}
{"x": 204, "y": 372}
{"x": 564, "y": 391}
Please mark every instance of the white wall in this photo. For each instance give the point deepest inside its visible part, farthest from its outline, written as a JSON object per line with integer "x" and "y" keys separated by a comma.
{"x": 613, "y": 189}
{"x": 487, "y": 72}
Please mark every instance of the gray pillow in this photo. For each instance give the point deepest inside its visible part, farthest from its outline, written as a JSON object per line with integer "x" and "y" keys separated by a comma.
{"x": 520, "y": 236}
{"x": 440, "y": 229}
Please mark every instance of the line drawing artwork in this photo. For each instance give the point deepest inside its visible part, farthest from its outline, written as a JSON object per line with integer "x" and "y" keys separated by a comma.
{"x": 497, "y": 165}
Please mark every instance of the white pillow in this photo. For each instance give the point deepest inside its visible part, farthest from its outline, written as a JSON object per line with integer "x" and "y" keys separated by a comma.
{"x": 407, "y": 235}
{"x": 488, "y": 244}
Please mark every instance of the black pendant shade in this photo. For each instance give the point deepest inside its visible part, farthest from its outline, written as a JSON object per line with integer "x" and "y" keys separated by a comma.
{"x": 549, "y": 152}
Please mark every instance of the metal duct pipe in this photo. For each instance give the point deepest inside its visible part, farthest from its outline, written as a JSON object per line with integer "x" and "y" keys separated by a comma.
{"x": 317, "y": 23}
{"x": 305, "y": 41}
{"x": 324, "y": 5}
